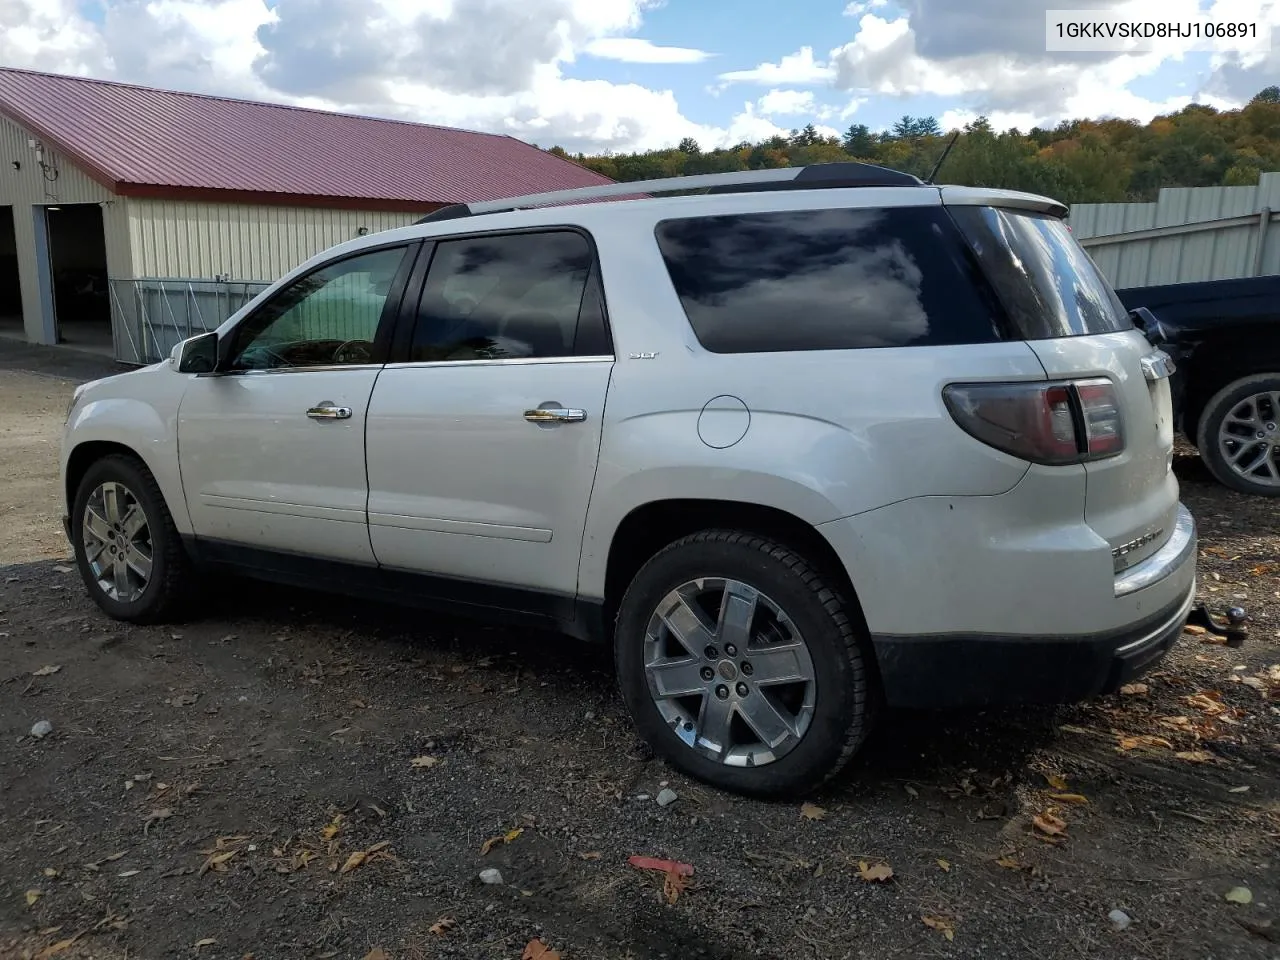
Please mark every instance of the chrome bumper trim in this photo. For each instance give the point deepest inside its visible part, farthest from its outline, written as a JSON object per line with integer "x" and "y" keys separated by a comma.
{"x": 1180, "y": 546}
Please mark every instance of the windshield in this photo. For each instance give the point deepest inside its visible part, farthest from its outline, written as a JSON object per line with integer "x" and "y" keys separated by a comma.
{"x": 1049, "y": 285}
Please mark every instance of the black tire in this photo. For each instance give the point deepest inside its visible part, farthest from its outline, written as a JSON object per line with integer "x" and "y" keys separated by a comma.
{"x": 1211, "y": 420}
{"x": 844, "y": 700}
{"x": 168, "y": 586}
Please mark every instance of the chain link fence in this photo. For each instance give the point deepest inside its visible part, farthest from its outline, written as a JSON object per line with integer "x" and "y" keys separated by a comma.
{"x": 152, "y": 314}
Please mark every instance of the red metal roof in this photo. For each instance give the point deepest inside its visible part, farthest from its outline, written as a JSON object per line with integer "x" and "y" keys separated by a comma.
{"x": 139, "y": 141}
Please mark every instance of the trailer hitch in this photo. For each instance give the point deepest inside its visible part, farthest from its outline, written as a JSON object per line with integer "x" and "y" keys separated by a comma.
{"x": 1235, "y": 630}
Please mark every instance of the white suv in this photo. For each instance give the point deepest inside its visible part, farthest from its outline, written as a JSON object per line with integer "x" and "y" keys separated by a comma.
{"x": 809, "y": 441}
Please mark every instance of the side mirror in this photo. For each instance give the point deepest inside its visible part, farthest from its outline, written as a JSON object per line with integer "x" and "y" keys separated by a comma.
{"x": 1149, "y": 324}
{"x": 197, "y": 354}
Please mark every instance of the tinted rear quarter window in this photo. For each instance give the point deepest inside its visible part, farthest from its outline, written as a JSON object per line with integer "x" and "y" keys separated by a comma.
{"x": 827, "y": 280}
{"x": 1049, "y": 286}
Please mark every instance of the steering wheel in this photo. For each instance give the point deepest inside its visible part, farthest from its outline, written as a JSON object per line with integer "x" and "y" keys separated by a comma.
{"x": 354, "y": 351}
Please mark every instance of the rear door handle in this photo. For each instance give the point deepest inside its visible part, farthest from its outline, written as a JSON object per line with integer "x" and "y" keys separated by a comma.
{"x": 328, "y": 410}
{"x": 555, "y": 415}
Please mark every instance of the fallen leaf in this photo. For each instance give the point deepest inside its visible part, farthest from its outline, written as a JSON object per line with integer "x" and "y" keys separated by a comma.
{"x": 507, "y": 837}
{"x": 377, "y": 953}
{"x": 911, "y": 791}
{"x": 218, "y": 861}
{"x": 206, "y": 942}
{"x": 673, "y": 885}
{"x": 45, "y": 671}
{"x": 537, "y": 950}
{"x": 1239, "y": 895}
{"x": 596, "y": 854}
{"x": 357, "y": 857}
{"x": 128, "y": 873}
{"x": 1009, "y": 862}
{"x": 56, "y": 948}
{"x": 1195, "y": 756}
{"x": 874, "y": 874}
{"x": 1232, "y": 790}
{"x": 1134, "y": 690}
{"x": 61, "y": 568}
{"x": 184, "y": 700}
{"x": 811, "y": 811}
{"x": 332, "y": 829}
{"x": 50, "y": 872}
{"x": 1194, "y": 629}
{"x": 33, "y": 896}
{"x": 942, "y": 925}
{"x": 424, "y": 763}
{"x": 1049, "y": 824}
{"x": 666, "y": 866}
{"x": 1055, "y": 781}
{"x": 945, "y": 865}
{"x": 443, "y": 926}
{"x": 1077, "y": 798}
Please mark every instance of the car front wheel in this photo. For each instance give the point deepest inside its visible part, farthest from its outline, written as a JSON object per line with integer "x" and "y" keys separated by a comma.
{"x": 127, "y": 549}
{"x": 741, "y": 666}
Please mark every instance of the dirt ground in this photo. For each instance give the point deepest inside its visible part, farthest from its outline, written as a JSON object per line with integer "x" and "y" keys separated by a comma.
{"x": 290, "y": 775}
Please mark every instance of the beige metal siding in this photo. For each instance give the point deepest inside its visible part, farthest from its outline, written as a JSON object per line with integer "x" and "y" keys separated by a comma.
{"x": 193, "y": 240}
{"x": 1223, "y": 252}
{"x": 27, "y": 187}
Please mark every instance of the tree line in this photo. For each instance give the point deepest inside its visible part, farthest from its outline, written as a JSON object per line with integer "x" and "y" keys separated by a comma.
{"x": 1078, "y": 161}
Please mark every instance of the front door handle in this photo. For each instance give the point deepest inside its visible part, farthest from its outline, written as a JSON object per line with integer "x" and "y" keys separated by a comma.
{"x": 555, "y": 415}
{"x": 328, "y": 410}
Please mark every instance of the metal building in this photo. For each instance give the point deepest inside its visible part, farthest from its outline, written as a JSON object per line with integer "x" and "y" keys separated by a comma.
{"x": 1188, "y": 234}
{"x": 131, "y": 217}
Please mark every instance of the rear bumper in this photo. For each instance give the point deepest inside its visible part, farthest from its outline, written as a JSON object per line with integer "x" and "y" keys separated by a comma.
{"x": 958, "y": 670}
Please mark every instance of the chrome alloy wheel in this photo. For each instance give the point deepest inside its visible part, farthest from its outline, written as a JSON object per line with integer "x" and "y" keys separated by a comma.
{"x": 729, "y": 672}
{"x": 117, "y": 542}
{"x": 1249, "y": 438}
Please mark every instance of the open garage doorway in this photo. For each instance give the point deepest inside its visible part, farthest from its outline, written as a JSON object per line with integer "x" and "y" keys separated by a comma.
{"x": 10, "y": 291}
{"x": 78, "y": 275}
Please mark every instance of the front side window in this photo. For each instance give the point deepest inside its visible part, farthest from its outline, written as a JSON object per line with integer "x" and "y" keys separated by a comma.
{"x": 503, "y": 297}
{"x": 827, "y": 280}
{"x": 328, "y": 317}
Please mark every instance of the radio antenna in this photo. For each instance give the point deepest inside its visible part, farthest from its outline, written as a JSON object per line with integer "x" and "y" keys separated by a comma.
{"x": 934, "y": 172}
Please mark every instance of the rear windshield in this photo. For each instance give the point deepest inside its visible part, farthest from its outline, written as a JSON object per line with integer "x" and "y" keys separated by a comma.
{"x": 828, "y": 280}
{"x": 1049, "y": 286}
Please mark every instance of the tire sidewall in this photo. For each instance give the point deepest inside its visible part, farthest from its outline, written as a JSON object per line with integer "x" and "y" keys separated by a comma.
{"x": 123, "y": 471}
{"x": 842, "y": 696}
{"x": 1215, "y": 411}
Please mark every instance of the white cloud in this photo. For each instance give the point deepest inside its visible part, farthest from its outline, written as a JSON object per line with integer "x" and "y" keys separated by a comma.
{"x": 859, "y": 7}
{"x": 635, "y": 50}
{"x": 798, "y": 68}
{"x": 786, "y": 103}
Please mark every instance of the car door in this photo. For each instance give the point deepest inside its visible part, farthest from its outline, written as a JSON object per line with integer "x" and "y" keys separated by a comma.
{"x": 484, "y": 431}
{"x": 271, "y": 446}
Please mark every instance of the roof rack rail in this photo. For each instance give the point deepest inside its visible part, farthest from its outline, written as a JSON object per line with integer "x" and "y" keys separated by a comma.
{"x": 813, "y": 177}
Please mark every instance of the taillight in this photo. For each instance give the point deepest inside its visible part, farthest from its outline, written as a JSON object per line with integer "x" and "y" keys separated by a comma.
{"x": 1050, "y": 423}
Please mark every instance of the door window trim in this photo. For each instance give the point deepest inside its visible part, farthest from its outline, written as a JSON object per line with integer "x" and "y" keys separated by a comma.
{"x": 391, "y": 307}
{"x": 407, "y": 318}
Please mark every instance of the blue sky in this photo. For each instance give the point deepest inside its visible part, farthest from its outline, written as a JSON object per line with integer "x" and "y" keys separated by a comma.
{"x": 621, "y": 75}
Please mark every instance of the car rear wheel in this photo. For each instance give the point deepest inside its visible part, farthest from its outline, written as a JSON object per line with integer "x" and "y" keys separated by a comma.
{"x": 129, "y": 553}
{"x": 741, "y": 666}
{"x": 1239, "y": 435}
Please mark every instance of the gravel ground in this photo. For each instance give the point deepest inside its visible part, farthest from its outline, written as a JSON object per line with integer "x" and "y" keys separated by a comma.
{"x": 289, "y": 775}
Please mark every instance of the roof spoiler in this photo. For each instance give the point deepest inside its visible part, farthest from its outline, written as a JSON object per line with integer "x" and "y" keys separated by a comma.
{"x": 816, "y": 176}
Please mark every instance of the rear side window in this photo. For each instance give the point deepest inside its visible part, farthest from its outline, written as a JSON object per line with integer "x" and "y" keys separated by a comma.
{"x": 513, "y": 296}
{"x": 1049, "y": 286}
{"x": 827, "y": 280}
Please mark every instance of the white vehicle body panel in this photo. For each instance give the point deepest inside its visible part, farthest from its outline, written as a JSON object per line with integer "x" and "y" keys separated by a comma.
{"x": 462, "y": 485}
{"x": 257, "y": 471}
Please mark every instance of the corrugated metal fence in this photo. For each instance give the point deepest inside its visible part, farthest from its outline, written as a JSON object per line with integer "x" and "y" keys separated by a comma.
{"x": 1188, "y": 234}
